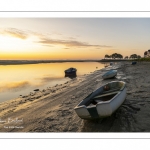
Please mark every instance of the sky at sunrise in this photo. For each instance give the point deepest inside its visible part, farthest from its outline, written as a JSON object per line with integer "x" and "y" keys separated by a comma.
{"x": 72, "y": 38}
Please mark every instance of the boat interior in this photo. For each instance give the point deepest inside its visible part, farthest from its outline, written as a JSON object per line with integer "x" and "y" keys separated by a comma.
{"x": 105, "y": 93}
{"x": 103, "y": 97}
{"x": 109, "y": 91}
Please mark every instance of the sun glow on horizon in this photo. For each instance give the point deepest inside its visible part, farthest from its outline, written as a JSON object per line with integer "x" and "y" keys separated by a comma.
{"x": 72, "y": 38}
{"x": 12, "y": 44}
{"x": 24, "y": 49}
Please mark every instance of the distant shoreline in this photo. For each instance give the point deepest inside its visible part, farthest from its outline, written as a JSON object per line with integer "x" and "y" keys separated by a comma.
{"x": 21, "y": 62}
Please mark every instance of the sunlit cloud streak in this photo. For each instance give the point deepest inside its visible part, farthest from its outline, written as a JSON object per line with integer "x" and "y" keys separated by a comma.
{"x": 36, "y": 34}
{"x": 66, "y": 48}
{"x": 15, "y": 33}
{"x": 44, "y": 40}
{"x": 70, "y": 43}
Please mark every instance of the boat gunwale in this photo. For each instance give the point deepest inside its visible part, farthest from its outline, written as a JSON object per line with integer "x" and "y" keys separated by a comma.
{"x": 117, "y": 94}
{"x": 103, "y": 102}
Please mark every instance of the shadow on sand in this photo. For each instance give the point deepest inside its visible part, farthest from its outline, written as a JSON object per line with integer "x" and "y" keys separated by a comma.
{"x": 123, "y": 120}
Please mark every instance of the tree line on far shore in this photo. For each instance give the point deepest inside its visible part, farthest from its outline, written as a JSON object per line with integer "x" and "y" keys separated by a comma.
{"x": 119, "y": 56}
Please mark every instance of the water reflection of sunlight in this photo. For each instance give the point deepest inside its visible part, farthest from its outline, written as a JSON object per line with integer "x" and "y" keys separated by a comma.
{"x": 14, "y": 86}
{"x": 22, "y": 79}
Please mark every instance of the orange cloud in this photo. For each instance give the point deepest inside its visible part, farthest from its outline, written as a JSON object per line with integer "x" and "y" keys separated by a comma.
{"x": 70, "y": 43}
{"x": 46, "y": 41}
{"x": 15, "y": 33}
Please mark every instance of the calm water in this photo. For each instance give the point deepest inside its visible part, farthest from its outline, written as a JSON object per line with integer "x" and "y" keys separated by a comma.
{"x": 18, "y": 80}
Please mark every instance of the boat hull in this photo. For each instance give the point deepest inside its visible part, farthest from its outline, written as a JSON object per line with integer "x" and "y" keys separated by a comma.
{"x": 134, "y": 62}
{"x": 110, "y": 74}
{"x": 70, "y": 71}
{"x": 108, "y": 108}
{"x": 103, "y": 108}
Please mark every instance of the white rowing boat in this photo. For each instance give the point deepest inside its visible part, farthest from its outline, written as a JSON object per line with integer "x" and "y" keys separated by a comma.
{"x": 109, "y": 74}
{"x": 103, "y": 102}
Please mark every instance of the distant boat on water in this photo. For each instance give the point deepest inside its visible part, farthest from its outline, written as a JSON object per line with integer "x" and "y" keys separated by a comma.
{"x": 134, "y": 62}
{"x": 109, "y": 74}
{"x": 70, "y": 71}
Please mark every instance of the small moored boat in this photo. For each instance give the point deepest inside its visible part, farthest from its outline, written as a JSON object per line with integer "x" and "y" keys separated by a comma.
{"x": 103, "y": 102}
{"x": 134, "y": 62}
{"x": 70, "y": 71}
{"x": 111, "y": 63}
{"x": 110, "y": 74}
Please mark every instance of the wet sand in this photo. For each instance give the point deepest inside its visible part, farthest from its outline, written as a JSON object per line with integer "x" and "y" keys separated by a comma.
{"x": 52, "y": 109}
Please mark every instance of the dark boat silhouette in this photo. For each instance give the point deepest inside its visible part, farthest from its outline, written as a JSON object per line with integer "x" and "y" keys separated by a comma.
{"x": 134, "y": 62}
{"x": 70, "y": 71}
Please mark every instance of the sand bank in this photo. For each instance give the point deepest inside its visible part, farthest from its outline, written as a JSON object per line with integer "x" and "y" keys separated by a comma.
{"x": 52, "y": 109}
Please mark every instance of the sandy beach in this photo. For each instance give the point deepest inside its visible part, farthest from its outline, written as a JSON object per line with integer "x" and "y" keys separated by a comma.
{"x": 52, "y": 109}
